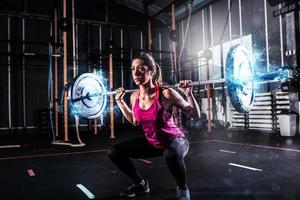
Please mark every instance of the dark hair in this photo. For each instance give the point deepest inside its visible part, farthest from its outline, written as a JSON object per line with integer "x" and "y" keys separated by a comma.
{"x": 150, "y": 62}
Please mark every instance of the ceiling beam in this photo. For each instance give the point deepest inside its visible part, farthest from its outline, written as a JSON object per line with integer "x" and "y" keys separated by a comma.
{"x": 167, "y": 7}
{"x": 148, "y": 2}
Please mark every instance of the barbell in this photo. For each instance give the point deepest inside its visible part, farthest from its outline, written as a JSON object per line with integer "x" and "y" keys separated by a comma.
{"x": 87, "y": 94}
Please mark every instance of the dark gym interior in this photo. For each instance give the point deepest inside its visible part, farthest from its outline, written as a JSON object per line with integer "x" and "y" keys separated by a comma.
{"x": 241, "y": 57}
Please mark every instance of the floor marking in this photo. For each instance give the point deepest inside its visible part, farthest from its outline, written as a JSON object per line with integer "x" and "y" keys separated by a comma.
{"x": 10, "y": 146}
{"x": 31, "y": 172}
{"x": 39, "y": 150}
{"x": 245, "y": 167}
{"x": 53, "y": 154}
{"x": 105, "y": 150}
{"x": 195, "y": 142}
{"x": 225, "y": 151}
{"x": 145, "y": 161}
{"x": 260, "y": 146}
{"x": 86, "y": 191}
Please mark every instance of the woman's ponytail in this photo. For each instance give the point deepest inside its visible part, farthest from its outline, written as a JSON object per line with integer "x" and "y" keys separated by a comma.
{"x": 157, "y": 77}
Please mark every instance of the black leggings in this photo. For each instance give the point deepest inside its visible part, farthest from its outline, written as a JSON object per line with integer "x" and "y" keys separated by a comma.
{"x": 139, "y": 147}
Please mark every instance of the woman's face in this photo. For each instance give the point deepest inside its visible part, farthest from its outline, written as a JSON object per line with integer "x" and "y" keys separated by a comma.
{"x": 141, "y": 73}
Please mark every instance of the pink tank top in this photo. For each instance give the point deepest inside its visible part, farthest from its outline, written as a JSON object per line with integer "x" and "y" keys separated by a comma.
{"x": 158, "y": 124}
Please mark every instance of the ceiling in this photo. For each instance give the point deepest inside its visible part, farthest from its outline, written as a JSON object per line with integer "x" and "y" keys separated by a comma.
{"x": 122, "y": 11}
{"x": 162, "y": 6}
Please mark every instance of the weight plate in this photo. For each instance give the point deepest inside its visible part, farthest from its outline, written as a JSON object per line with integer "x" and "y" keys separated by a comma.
{"x": 82, "y": 101}
{"x": 240, "y": 79}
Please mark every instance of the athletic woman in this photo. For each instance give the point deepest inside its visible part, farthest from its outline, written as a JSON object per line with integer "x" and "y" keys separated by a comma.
{"x": 151, "y": 108}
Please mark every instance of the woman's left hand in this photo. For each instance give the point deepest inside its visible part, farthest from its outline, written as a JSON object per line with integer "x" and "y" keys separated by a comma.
{"x": 185, "y": 88}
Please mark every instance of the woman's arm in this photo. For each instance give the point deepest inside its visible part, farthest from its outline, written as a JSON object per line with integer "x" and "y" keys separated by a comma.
{"x": 190, "y": 107}
{"x": 126, "y": 111}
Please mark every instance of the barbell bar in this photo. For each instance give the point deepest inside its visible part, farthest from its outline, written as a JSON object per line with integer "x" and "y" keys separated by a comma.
{"x": 88, "y": 93}
{"x": 108, "y": 93}
{"x": 194, "y": 83}
{"x": 89, "y": 96}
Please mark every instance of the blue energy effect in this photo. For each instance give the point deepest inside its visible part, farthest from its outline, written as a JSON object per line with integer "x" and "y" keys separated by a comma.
{"x": 278, "y": 73}
{"x": 270, "y": 76}
{"x": 274, "y": 73}
{"x": 102, "y": 101}
{"x": 106, "y": 111}
{"x": 73, "y": 110}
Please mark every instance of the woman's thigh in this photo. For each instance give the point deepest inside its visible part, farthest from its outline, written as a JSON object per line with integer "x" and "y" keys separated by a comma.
{"x": 137, "y": 147}
{"x": 178, "y": 147}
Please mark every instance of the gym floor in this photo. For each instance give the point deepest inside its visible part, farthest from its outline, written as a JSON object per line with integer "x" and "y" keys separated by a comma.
{"x": 221, "y": 165}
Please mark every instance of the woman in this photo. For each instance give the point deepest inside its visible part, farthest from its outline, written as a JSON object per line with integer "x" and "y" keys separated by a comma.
{"x": 151, "y": 109}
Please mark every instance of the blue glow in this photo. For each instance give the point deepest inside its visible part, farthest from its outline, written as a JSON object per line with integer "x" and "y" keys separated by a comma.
{"x": 276, "y": 74}
{"x": 74, "y": 111}
{"x": 257, "y": 57}
{"x": 106, "y": 111}
{"x": 106, "y": 108}
{"x": 240, "y": 78}
{"x": 84, "y": 104}
{"x": 101, "y": 75}
{"x": 242, "y": 81}
{"x": 91, "y": 106}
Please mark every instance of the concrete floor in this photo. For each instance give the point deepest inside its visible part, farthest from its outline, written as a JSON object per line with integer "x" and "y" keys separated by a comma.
{"x": 221, "y": 165}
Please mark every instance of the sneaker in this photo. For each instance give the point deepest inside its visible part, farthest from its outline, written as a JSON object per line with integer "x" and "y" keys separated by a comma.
{"x": 134, "y": 190}
{"x": 183, "y": 194}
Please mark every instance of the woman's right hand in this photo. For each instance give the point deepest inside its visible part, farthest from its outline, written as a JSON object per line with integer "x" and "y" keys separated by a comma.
{"x": 120, "y": 93}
